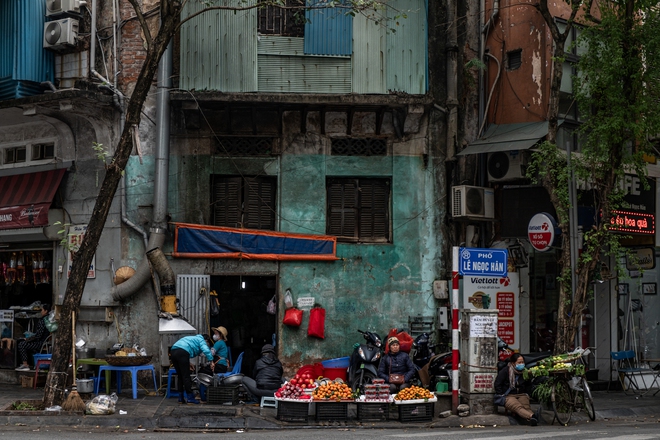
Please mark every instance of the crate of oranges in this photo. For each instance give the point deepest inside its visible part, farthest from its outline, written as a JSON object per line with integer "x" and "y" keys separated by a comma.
{"x": 414, "y": 394}
{"x": 336, "y": 391}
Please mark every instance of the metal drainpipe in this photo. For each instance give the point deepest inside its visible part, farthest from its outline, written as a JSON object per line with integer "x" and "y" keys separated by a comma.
{"x": 452, "y": 79}
{"x": 161, "y": 179}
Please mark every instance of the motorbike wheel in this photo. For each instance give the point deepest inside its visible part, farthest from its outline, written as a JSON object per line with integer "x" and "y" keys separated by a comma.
{"x": 364, "y": 378}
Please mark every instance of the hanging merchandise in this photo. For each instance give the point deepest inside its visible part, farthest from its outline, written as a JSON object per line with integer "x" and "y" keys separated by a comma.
{"x": 293, "y": 317}
{"x": 288, "y": 299}
{"x": 271, "y": 308}
{"x": 20, "y": 268}
{"x": 316, "y": 327}
{"x": 215, "y": 303}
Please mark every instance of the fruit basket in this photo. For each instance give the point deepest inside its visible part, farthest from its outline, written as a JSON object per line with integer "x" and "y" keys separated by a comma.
{"x": 127, "y": 361}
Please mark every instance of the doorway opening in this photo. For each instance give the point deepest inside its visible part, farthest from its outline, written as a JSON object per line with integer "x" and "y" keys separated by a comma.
{"x": 243, "y": 301}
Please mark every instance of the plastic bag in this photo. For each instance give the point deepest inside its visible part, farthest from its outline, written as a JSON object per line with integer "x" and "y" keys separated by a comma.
{"x": 102, "y": 404}
{"x": 316, "y": 327}
{"x": 271, "y": 308}
{"x": 51, "y": 326}
{"x": 215, "y": 306}
{"x": 293, "y": 317}
{"x": 405, "y": 340}
{"x": 288, "y": 300}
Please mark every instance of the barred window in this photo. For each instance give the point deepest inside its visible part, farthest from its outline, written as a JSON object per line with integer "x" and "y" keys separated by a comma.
{"x": 278, "y": 21}
{"x": 359, "y": 147}
{"x": 359, "y": 210}
{"x": 247, "y": 202}
{"x": 243, "y": 146}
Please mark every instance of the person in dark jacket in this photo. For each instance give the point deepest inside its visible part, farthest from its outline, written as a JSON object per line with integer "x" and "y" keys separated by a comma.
{"x": 396, "y": 362}
{"x": 511, "y": 385}
{"x": 267, "y": 375}
{"x": 182, "y": 351}
{"x": 33, "y": 344}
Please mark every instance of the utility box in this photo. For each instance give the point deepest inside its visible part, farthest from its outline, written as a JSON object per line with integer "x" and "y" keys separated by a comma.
{"x": 478, "y": 350}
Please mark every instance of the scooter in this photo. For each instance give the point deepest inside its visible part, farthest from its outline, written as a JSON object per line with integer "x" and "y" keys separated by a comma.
{"x": 363, "y": 365}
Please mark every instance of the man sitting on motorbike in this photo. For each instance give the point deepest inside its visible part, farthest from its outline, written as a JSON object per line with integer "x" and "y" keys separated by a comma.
{"x": 396, "y": 363}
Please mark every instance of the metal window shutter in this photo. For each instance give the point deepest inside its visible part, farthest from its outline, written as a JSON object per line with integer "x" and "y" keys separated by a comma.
{"x": 227, "y": 201}
{"x": 193, "y": 294}
{"x": 342, "y": 208}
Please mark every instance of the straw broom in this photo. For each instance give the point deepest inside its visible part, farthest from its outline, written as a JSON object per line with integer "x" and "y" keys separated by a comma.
{"x": 73, "y": 402}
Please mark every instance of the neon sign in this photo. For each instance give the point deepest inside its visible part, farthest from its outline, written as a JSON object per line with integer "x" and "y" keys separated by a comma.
{"x": 632, "y": 222}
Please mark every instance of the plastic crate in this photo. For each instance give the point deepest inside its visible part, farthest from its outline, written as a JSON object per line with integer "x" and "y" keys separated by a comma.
{"x": 342, "y": 362}
{"x": 292, "y": 411}
{"x": 373, "y": 411}
{"x": 332, "y": 411}
{"x": 222, "y": 395}
{"x": 416, "y": 412}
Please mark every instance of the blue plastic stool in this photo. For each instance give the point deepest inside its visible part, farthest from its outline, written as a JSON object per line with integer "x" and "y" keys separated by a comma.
{"x": 133, "y": 370}
{"x": 97, "y": 379}
{"x": 169, "y": 393}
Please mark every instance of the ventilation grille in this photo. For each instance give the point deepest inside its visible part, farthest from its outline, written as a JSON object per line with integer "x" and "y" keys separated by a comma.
{"x": 193, "y": 294}
{"x": 244, "y": 146}
{"x": 359, "y": 147}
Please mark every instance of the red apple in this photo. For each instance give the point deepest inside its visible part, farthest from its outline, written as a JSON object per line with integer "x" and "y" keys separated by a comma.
{"x": 293, "y": 381}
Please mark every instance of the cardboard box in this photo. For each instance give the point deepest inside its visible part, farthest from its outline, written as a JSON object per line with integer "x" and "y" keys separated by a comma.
{"x": 27, "y": 381}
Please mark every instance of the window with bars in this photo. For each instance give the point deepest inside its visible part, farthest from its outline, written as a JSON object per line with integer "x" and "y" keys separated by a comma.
{"x": 359, "y": 147}
{"x": 274, "y": 20}
{"x": 243, "y": 146}
{"x": 247, "y": 202}
{"x": 359, "y": 209}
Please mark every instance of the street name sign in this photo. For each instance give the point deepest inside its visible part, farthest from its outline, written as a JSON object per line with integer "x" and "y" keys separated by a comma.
{"x": 485, "y": 262}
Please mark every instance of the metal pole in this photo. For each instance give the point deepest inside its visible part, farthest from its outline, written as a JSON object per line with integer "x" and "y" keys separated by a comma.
{"x": 454, "y": 330}
{"x": 573, "y": 228}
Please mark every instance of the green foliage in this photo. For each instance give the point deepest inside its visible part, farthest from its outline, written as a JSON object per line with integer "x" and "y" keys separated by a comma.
{"x": 62, "y": 233}
{"x": 543, "y": 393}
{"x": 101, "y": 153}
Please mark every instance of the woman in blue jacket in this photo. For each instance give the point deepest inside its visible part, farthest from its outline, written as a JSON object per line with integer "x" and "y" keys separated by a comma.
{"x": 182, "y": 351}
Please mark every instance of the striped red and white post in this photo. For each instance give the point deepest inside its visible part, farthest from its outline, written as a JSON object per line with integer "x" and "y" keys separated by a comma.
{"x": 454, "y": 330}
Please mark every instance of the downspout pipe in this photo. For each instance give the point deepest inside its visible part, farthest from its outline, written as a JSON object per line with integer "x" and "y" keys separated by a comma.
{"x": 452, "y": 79}
{"x": 161, "y": 179}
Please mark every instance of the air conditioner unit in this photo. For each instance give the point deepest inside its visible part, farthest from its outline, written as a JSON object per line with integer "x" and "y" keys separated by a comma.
{"x": 472, "y": 202}
{"x": 506, "y": 165}
{"x": 59, "y": 7}
{"x": 60, "y": 33}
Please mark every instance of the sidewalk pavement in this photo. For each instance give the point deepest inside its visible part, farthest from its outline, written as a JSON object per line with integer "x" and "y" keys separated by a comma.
{"x": 155, "y": 412}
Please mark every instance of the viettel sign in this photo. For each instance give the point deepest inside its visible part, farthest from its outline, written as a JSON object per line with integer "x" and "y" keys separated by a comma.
{"x": 542, "y": 231}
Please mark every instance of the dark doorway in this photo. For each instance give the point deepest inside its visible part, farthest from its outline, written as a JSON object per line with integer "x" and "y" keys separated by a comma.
{"x": 243, "y": 302}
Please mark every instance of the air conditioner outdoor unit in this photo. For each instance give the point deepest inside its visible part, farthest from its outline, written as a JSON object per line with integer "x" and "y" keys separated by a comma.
{"x": 472, "y": 202}
{"x": 60, "y": 33}
{"x": 506, "y": 165}
{"x": 59, "y": 7}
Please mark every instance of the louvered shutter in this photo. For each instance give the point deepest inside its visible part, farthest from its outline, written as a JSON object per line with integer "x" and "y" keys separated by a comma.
{"x": 343, "y": 208}
{"x": 374, "y": 210}
{"x": 226, "y": 201}
{"x": 259, "y": 196}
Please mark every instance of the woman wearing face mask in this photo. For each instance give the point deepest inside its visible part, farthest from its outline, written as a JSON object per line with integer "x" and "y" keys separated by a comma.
{"x": 511, "y": 388}
{"x": 220, "y": 357}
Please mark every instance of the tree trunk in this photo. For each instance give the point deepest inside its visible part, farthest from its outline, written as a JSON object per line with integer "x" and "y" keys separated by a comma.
{"x": 62, "y": 350}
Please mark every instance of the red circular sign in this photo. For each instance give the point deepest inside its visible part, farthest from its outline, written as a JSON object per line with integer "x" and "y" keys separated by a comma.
{"x": 541, "y": 231}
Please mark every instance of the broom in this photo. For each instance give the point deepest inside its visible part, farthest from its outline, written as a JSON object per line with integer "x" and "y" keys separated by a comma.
{"x": 73, "y": 402}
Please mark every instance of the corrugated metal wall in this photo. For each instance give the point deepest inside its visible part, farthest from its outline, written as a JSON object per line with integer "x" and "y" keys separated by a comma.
{"x": 368, "y": 56}
{"x": 328, "y": 31}
{"x": 219, "y": 48}
{"x": 407, "y": 48}
{"x": 309, "y": 74}
{"x": 22, "y": 56}
{"x": 193, "y": 294}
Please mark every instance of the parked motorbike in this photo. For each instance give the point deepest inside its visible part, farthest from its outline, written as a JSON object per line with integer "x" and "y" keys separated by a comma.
{"x": 422, "y": 350}
{"x": 363, "y": 365}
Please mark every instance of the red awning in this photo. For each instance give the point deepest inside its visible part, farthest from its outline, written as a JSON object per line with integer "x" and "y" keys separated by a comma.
{"x": 25, "y": 198}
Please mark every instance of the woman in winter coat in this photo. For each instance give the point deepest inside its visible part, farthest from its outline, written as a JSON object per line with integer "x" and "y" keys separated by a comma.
{"x": 267, "y": 374}
{"x": 182, "y": 351}
{"x": 33, "y": 344}
{"x": 396, "y": 362}
{"x": 511, "y": 386}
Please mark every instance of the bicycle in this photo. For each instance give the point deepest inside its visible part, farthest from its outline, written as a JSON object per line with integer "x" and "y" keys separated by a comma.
{"x": 571, "y": 392}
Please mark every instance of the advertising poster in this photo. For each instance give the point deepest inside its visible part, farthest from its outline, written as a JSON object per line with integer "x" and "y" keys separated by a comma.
{"x": 75, "y": 237}
{"x": 496, "y": 293}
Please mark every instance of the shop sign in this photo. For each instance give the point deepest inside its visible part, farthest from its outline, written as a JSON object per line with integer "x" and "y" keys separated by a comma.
{"x": 542, "y": 231}
{"x": 74, "y": 239}
{"x": 632, "y": 222}
{"x": 499, "y": 293}
{"x": 639, "y": 259}
{"x": 486, "y": 262}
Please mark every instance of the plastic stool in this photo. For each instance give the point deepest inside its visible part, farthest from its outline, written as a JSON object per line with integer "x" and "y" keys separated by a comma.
{"x": 269, "y": 402}
{"x": 37, "y": 367}
{"x": 169, "y": 393}
{"x": 97, "y": 379}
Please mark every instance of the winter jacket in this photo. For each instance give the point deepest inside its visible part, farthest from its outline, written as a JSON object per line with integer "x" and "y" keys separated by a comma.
{"x": 400, "y": 364}
{"x": 268, "y": 373}
{"x": 502, "y": 382}
{"x": 41, "y": 333}
{"x": 220, "y": 351}
{"x": 194, "y": 345}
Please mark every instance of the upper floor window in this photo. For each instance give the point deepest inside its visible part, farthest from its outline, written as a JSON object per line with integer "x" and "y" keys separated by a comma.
{"x": 359, "y": 209}
{"x": 43, "y": 151}
{"x": 514, "y": 59}
{"x": 14, "y": 155}
{"x": 359, "y": 147}
{"x": 280, "y": 21}
{"x": 243, "y": 202}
